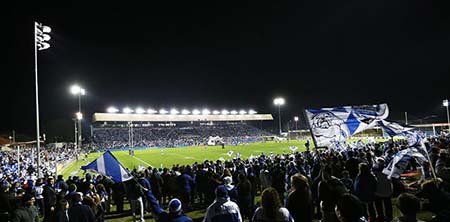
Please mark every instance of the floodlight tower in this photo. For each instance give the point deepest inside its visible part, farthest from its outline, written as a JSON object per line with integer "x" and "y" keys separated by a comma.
{"x": 279, "y": 102}
{"x": 445, "y": 103}
{"x": 41, "y": 38}
{"x": 77, "y": 90}
{"x": 296, "y": 121}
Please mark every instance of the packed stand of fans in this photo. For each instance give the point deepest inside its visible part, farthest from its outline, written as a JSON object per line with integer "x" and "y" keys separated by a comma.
{"x": 174, "y": 136}
{"x": 321, "y": 184}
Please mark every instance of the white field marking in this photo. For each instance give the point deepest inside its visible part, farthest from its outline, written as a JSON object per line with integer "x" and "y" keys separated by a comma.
{"x": 189, "y": 157}
{"x": 143, "y": 161}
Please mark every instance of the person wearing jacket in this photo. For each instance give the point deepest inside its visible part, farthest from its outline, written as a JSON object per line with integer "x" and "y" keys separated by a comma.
{"x": 299, "y": 201}
{"x": 222, "y": 209}
{"x": 232, "y": 190}
{"x": 175, "y": 213}
{"x": 80, "y": 212}
{"x": 49, "y": 194}
{"x": 383, "y": 193}
{"x": 27, "y": 212}
{"x": 364, "y": 188}
{"x": 186, "y": 184}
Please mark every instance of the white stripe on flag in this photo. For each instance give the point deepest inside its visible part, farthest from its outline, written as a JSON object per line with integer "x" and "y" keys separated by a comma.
{"x": 101, "y": 165}
{"x": 124, "y": 174}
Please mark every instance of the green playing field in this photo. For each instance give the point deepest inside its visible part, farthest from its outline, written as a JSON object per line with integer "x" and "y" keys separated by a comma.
{"x": 157, "y": 157}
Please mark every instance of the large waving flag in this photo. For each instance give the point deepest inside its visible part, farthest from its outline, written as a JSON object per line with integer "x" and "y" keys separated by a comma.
{"x": 108, "y": 165}
{"x": 331, "y": 127}
{"x": 402, "y": 160}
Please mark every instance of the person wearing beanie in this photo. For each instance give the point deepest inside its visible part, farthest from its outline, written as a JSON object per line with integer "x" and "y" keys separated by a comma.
{"x": 175, "y": 213}
{"x": 222, "y": 209}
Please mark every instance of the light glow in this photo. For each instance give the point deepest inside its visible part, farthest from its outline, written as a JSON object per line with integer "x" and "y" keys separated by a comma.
{"x": 79, "y": 116}
{"x": 278, "y": 101}
{"x": 163, "y": 111}
{"x": 296, "y": 118}
{"x": 206, "y": 112}
{"x": 112, "y": 110}
{"x": 234, "y": 112}
{"x": 174, "y": 112}
{"x": 445, "y": 102}
{"x": 252, "y": 112}
{"x": 151, "y": 111}
{"x": 185, "y": 112}
{"x": 216, "y": 112}
{"x": 196, "y": 112}
{"x": 225, "y": 112}
{"x": 140, "y": 111}
{"x": 127, "y": 110}
{"x": 242, "y": 112}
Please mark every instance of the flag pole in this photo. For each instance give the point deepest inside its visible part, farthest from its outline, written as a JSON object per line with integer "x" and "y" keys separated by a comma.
{"x": 310, "y": 130}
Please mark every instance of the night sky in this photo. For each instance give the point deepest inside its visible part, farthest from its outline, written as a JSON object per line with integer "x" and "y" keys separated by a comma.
{"x": 216, "y": 55}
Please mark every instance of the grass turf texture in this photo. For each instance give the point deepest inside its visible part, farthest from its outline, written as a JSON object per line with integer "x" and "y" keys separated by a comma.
{"x": 166, "y": 157}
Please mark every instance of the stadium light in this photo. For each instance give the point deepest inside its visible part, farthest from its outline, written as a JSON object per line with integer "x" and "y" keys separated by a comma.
{"x": 151, "y": 111}
{"x": 77, "y": 90}
{"x": 174, "y": 112}
{"x": 185, "y": 112}
{"x": 296, "y": 122}
{"x": 252, "y": 112}
{"x": 206, "y": 112}
{"x": 225, "y": 112}
{"x": 196, "y": 112}
{"x": 127, "y": 110}
{"x": 140, "y": 111}
{"x": 79, "y": 115}
{"x": 163, "y": 111}
{"x": 233, "y": 112}
{"x": 40, "y": 43}
{"x": 296, "y": 118}
{"x": 112, "y": 110}
{"x": 216, "y": 112}
{"x": 242, "y": 112}
{"x": 445, "y": 103}
{"x": 279, "y": 102}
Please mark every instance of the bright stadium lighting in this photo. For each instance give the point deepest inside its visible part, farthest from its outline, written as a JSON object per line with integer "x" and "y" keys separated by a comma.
{"x": 252, "y": 112}
{"x": 225, "y": 112}
{"x": 234, "y": 112}
{"x": 163, "y": 111}
{"x": 216, "y": 112}
{"x": 174, "y": 111}
{"x": 196, "y": 112}
{"x": 296, "y": 118}
{"x": 79, "y": 116}
{"x": 112, "y": 110}
{"x": 140, "y": 111}
{"x": 151, "y": 111}
{"x": 445, "y": 102}
{"x": 127, "y": 110}
{"x": 77, "y": 90}
{"x": 242, "y": 112}
{"x": 185, "y": 112}
{"x": 206, "y": 112}
{"x": 279, "y": 101}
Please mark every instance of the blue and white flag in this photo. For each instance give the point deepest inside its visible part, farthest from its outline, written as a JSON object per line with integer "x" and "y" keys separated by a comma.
{"x": 108, "y": 165}
{"x": 402, "y": 160}
{"x": 230, "y": 153}
{"x": 331, "y": 127}
{"x": 394, "y": 128}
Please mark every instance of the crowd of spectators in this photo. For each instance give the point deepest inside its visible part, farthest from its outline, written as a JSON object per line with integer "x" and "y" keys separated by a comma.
{"x": 327, "y": 185}
{"x": 174, "y": 136}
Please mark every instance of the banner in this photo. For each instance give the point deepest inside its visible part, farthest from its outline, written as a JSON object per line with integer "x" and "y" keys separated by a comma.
{"x": 331, "y": 127}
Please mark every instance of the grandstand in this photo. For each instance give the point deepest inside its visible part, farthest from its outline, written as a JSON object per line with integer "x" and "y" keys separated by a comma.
{"x": 126, "y": 130}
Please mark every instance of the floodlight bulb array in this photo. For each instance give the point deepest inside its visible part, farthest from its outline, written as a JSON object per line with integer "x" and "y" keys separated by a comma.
{"x": 174, "y": 111}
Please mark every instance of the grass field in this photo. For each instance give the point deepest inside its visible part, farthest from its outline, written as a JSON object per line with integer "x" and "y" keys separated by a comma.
{"x": 157, "y": 157}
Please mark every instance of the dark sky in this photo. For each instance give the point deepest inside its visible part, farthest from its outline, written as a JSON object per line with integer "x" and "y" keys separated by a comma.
{"x": 192, "y": 54}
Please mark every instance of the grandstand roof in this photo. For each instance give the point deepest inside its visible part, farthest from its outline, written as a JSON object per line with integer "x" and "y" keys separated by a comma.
{"x": 122, "y": 117}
